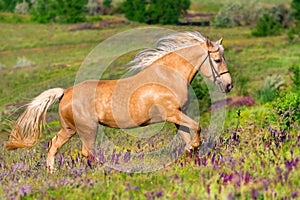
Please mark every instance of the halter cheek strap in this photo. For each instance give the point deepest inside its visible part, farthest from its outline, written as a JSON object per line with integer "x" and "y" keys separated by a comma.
{"x": 214, "y": 72}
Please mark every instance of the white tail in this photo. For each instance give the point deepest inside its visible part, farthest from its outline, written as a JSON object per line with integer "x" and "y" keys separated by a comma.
{"x": 28, "y": 129}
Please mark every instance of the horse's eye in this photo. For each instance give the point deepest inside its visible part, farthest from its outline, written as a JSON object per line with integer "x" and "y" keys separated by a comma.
{"x": 217, "y": 60}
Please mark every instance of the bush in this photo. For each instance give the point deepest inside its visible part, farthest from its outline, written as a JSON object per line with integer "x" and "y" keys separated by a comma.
{"x": 155, "y": 11}
{"x": 295, "y": 5}
{"x": 93, "y": 7}
{"x": 270, "y": 89}
{"x": 237, "y": 14}
{"x": 294, "y": 32}
{"x": 281, "y": 14}
{"x": 135, "y": 10}
{"x": 265, "y": 26}
{"x": 201, "y": 91}
{"x": 295, "y": 78}
{"x": 166, "y": 11}
{"x": 287, "y": 109}
{"x": 22, "y": 8}
{"x": 8, "y": 5}
{"x": 71, "y": 11}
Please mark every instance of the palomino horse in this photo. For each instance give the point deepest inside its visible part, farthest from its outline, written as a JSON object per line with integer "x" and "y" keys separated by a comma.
{"x": 158, "y": 92}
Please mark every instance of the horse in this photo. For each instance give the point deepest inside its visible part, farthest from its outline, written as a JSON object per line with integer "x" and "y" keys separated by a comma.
{"x": 158, "y": 92}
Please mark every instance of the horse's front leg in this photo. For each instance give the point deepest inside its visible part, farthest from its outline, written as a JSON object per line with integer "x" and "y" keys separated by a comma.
{"x": 183, "y": 121}
{"x": 186, "y": 136}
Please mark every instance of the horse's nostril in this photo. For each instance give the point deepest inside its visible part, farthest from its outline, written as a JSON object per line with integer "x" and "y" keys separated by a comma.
{"x": 229, "y": 87}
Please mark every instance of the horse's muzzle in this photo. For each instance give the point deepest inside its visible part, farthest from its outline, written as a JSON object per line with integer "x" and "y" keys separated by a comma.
{"x": 228, "y": 87}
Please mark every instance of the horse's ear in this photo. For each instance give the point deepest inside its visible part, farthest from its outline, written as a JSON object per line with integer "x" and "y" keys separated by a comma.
{"x": 208, "y": 43}
{"x": 220, "y": 41}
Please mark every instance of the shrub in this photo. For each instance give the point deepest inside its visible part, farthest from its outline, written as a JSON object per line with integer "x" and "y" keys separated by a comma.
{"x": 237, "y": 14}
{"x": 295, "y": 30}
{"x": 295, "y": 5}
{"x": 93, "y": 7}
{"x": 22, "y": 8}
{"x": 281, "y": 14}
{"x": 265, "y": 26}
{"x": 23, "y": 62}
{"x": 8, "y": 5}
{"x": 270, "y": 89}
{"x": 287, "y": 109}
{"x": 135, "y": 10}
{"x": 295, "y": 78}
{"x": 201, "y": 92}
{"x": 155, "y": 11}
{"x": 166, "y": 11}
{"x": 71, "y": 11}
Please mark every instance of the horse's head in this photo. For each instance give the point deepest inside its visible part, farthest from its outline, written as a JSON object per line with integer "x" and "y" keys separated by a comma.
{"x": 214, "y": 65}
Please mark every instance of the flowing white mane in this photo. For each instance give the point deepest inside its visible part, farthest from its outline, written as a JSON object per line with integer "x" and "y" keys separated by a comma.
{"x": 164, "y": 46}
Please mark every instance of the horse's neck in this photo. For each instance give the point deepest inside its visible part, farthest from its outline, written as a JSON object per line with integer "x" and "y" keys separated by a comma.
{"x": 184, "y": 61}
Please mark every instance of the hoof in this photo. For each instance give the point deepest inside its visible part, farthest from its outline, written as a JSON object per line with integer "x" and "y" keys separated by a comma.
{"x": 195, "y": 145}
{"x": 50, "y": 170}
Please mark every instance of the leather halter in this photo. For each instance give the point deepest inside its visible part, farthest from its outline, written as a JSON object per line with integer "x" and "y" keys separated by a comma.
{"x": 214, "y": 72}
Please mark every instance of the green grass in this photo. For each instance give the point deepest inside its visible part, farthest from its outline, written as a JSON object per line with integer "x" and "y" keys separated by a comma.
{"x": 249, "y": 160}
{"x": 207, "y": 6}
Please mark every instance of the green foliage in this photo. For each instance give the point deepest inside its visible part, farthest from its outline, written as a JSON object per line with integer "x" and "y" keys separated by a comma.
{"x": 135, "y": 10}
{"x": 294, "y": 32}
{"x": 71, "y": 11}
{"x": 287, "y": 109}
{"x": 266, "y": 25}
{"x": 166, "y": 11}
{"x": 270, "y": 88}
{"x": 201, "y": 91}
{"x": 107, "y": 3}
{"x": 295, "y": 78}
{"x": 8, "y": 5}
{"x": 155, "y": 11}
{"x": 295, "y": 5}
{"x": 240, "y": 83}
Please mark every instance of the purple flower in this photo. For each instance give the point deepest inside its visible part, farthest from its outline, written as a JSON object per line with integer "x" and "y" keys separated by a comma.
{"x": 159, "y": 193}
{"x": 127, "y": 156}
{"x": 208, "y": 189}
{"x": 254, "y": 193}
{"x": 230, "y": 196}
{"x": 89, "y": 163}
{"x": 295, "y": 194}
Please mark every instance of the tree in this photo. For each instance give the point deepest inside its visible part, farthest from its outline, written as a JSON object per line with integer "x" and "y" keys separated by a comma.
{"x": 296, "y": 9}
{"x": 156, "y": 11}
{"x": 61, "y": 11}
{"x": 107, "y": 3}
{"x": 8, "y": 5}
{"x": 135, "y": 10}
{"x": 295, "y": 31}
{"x": 44, "y": 11}
{"x": 167, "y": 11}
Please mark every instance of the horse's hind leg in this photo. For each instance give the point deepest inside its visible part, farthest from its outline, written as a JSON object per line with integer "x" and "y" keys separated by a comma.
{"x": 61, "y": 138}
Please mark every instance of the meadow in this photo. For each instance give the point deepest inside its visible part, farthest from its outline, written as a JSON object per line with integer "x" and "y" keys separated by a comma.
{"x": 254, "y": 157}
